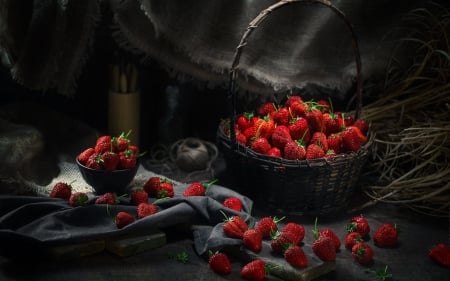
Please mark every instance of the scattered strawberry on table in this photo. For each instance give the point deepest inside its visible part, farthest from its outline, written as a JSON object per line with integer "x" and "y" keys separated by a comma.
{"x": 219, "y": 262}
{"x": 362, "y": 253}
{"x": 61, "y": 190}
{"x": 298, "y": 130}
{"x": 386, "y": 236}
{"x": 440, "y": 253}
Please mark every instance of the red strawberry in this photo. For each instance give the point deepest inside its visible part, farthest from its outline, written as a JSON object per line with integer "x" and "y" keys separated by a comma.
{"x": 134, "y": 148}
{"x": 299, "y": 129}
{"x": 294, "y": 150}
{"x": 324, "y": 105}
{"x": 280, "y": 136}
{"x": 165, "y": 190}
{"x": 234, "y": 227}
{"x": 320, "y": 139}
{"x": 103, "y": 139}
{"x": 110, "y": 161}
{"x": 138, "y": 196}
{"x": 78, "y": 199}
{"x": 440, "y": 254}
{"x": 123, "y": 219}
{"x": 292, "y": 99}
{"x": 296, "y": 257}
{"x": 61, "y": 190}
{"x": 219, "y": 262}
{"x": 323, "y": 246}
{"x": 265, "y": 127}
{"x": 330, "y": 233}
{"x": 102, "y": 147}
{"x": 121, "y": 142}
{"x": 359, "y": 224}
{"x": 152, "y": 185}
{"x": 94, "y": 162}
{"x": 386, "y": 236}
{"x": 266, "y": 109}
{"x": 267, "y": 226}
{"x": 313, "y": 151}
{"x": 233, "y": 203}
{"x": 241, "y": 138}
{"x": 260, "y": 145}
{"x": 85, "y": 154}
{"x": 281, "y": 241}
{"x": 252, "y": 240}
{"x": 107, "y": 198}
{"x": 146, "y": 209}
{"x": 244, "y": 121}
{"x": 255, "y": 270}
{"x": 274, "y": 151}
{"x": 127, "y": 160}
{"x": 282, "y": 116}
{"x": 299, "y": 108}
{"x": 295, "y": 230}
{"x": 362, "y": 253}
{"x": 334, "y": 142}
{"x": 250, "y": 133}
{"x": 333, "y": 123}
{"x": 362, "y": 125}
{"x": 315, "y": 119}
{"x": 351, "y": 239}
{"x": 353, "y": 138}
{"x": 197, "y": 188}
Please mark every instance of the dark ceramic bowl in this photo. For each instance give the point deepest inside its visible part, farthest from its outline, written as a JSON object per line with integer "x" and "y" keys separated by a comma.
{"x": 103, "y": 181}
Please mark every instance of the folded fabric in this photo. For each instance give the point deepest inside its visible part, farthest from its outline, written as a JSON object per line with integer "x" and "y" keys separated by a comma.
{"x": 29, "y": 225}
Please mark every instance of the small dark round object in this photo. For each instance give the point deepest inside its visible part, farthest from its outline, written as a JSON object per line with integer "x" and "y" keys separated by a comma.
{"x": 103, "y": 181}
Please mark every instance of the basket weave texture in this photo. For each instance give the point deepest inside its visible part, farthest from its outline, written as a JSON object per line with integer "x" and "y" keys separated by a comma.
{"x": 300, "y": 187}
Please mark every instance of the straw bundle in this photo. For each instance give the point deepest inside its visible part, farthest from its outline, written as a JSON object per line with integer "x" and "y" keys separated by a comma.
{"x": 411, "y": 149}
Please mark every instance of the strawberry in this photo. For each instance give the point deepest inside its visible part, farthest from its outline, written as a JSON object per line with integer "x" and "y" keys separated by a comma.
{"x": 330, "y": 233}
{"x": 255, "y": 270}
{"x": 315, "y": 119}
{"x": 281, "y": 241}
{"x": 320, "y": 139}
{"x": 197, "y": 188}
{"x": 362, "y": 253}
{"x": 313, "y": 151}
{"x": 61, "y": 190}
{"x": 334, "y": 142}
{"x": 323, "y": 246}
{"x": 78, "y": 199}
{"x": 359, "y": 224}
{"x": 295, "y": 230}
{"x": 351, "y": 239}
{"x": 280, "y": 136}
{"x": 386, "y": 236}
{"x": 440, "y": 254}
{"x": 265, "y": 127}
{"x": 233, "y": 203}
{"x": 244, "y": 121}
{"x": 252, "y": 240}
{"x": 274, "y": 152}
{"x": 103, "y": 139}
{"x": 250, "y": 134}
{"x": 123, "y": 219}
{"x": 296, "y": 257}
{"x": 152, "y": 185}
{"x": 299, "y": 129}
{"x": 299, "y": 108}
{"x": 234, "y": 227}
{"x": 362, "y": 125}
{"x": 260, "y": 145}
{"x": 110, "y": 161}
{"x": 292, "y": 99}
{"x": 127, "y": 160}
{"x": 267, "y": 225}
{"x": 107, "y": 198}
{"x": 85, "y": 154}
{"x": 294, "y": 150}
{"x": 94, "y": 162}
{"x": 134, "y": 149}
{"x": 219, "y": 262}
{"x": 241, "y": 138}
{"x": 282, "y": 116}
{"x": 165, "y": 190}
{"x": 138, "y": 196}
{"x": 121, "y": 142}
{"x": 146, "y": 209}
{"x": 352, "y": 138}
{"x": 102, "y": 147}
{"x": 266, "y": 109}
{"x": 324, "y": 105}
{"x": 333, "y": 123}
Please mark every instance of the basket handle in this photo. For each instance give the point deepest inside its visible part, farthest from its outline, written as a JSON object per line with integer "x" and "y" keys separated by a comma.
{"x": 232, "y": 94}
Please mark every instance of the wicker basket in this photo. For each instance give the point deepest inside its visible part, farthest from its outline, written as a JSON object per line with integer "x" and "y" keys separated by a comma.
{"x": 300, "y": 187}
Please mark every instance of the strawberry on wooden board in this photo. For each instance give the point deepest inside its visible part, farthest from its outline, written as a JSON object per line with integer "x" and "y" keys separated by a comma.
{"x": 386, "y": 236}
{"x": 296, "y": 257}
{"x": 61, "y": 190}
{"x": 294, "y": 150}
{"x": 323, "y": 246}
{"x": 440, "y": 253}
{"x": 267, "y": 226}
{"x": 252, "y": 240}
{"x": 146, "y": 209}
{"x": 359, "y": 224}
{"x": 255, "y": 270}
{"x": 280, "y": 136}
{"x": 109, "y": 198}
{"x": 362, "y": 253}
{"x": 299, "y": 129}
{"x": 295, "y": 230}
{"x": 330, "y": 233}
{"x": 138, "y": 196}
{"x": 234, "y": 227}
{"x": 85, "y": 154}
{"x": 197, "y": 188}
{"x": 351, "y": 239}
{"x": 219, "y": 263}
{"x": 233, "y": 203}
{"x": 314, "y": 151}
{"x": 260, "y": 145}
{"x": 78, "y": 199}
{"x": 110, "y": 161}
{"x": 123, "y": 219}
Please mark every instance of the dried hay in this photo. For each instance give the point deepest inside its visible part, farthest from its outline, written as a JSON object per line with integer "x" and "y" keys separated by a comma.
{"x": 411, "y": 148}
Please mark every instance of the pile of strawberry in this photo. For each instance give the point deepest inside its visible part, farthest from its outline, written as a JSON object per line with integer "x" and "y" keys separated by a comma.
{"x": 110, "y": 153}
{"x": 298, "y": 130}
